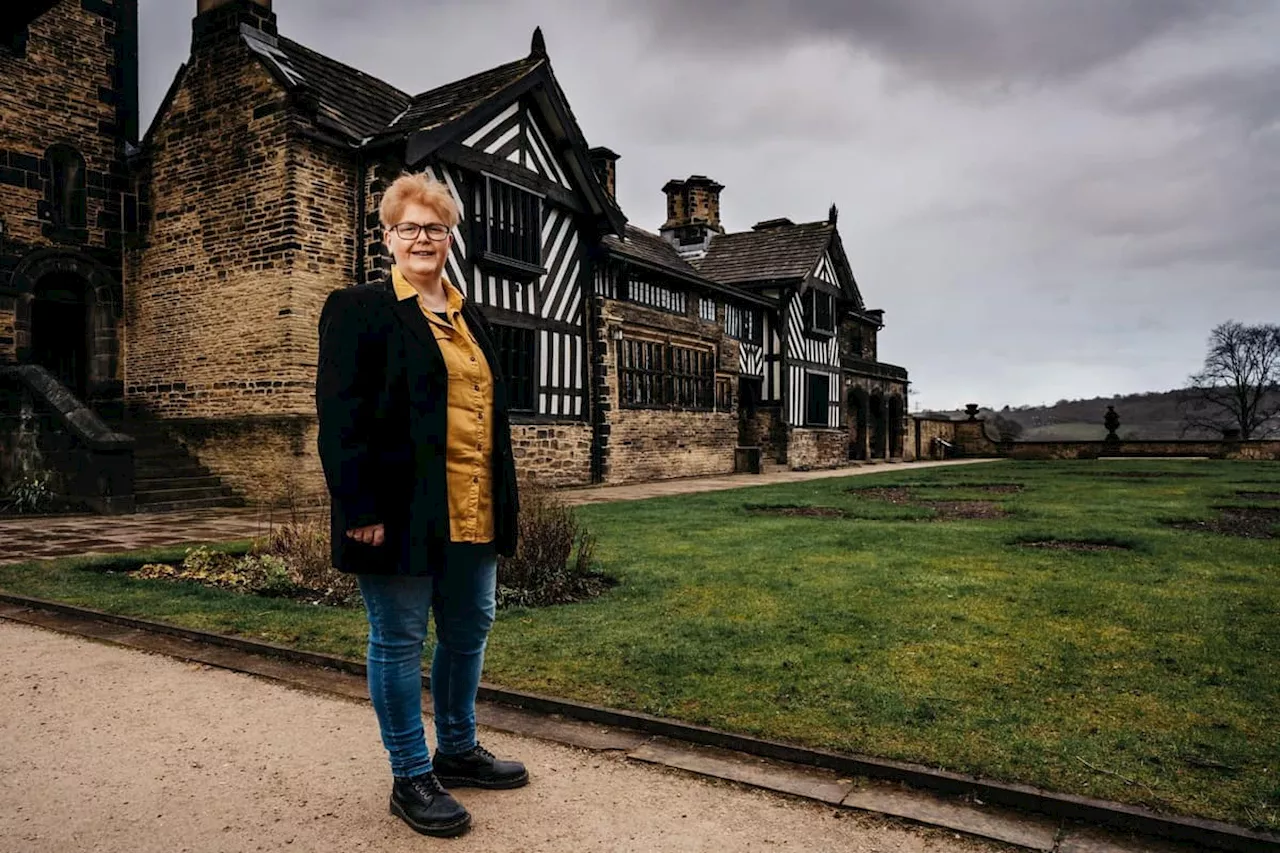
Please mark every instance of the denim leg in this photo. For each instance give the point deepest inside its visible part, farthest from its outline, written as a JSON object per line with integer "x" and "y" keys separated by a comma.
{"x": 464, "y": 605}
{"x": 397, "y": 607}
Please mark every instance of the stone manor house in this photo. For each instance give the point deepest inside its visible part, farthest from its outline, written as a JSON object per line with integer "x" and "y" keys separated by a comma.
{"x": 165, "y": 286}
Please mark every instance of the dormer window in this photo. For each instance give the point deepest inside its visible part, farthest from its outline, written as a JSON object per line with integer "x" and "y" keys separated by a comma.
{"x": 819, "y": 312}
{"x": 509, "y": 228}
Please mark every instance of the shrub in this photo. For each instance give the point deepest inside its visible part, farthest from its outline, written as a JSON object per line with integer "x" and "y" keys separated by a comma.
{"x": 258, "y": 574}
{"x": 554, "y": 557}
{"x": 301, "y": 544}
{"x": 33, "y": 494}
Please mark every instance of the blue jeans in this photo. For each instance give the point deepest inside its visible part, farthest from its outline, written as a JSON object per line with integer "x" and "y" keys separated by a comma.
{"x": 462, "y": 597}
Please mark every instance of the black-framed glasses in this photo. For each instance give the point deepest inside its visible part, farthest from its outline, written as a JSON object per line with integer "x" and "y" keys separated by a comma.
{"x": 410, "y": 231}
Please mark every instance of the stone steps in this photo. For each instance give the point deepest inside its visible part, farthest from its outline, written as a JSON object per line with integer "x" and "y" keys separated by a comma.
{"x": 166, "y": 477}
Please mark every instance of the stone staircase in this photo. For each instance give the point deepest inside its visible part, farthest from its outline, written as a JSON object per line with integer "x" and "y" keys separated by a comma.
{"x": 166, "y": 477}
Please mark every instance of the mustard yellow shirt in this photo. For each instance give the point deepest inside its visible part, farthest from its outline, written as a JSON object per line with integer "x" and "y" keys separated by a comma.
{"x": 469, "y": 425}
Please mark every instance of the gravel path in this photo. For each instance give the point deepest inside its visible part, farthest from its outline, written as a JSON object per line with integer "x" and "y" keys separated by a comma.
{"x": 108, "y": 749}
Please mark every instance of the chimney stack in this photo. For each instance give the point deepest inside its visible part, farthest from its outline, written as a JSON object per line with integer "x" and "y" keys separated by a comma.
{"x": 693, "y": 215}
{"x": 605, "y": 164}
{"x": 217, "y": 19}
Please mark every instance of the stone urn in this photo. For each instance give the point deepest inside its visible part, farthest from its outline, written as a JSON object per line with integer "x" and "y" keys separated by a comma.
{"x": 1112, "y": 422}
{"x": 972, "y": 411}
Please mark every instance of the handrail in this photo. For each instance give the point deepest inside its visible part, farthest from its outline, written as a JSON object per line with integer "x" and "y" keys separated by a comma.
{"x": 81, "y": 421}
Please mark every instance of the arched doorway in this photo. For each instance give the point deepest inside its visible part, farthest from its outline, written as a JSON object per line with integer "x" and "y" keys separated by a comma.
{"x": 859, "y": 418}
{"x": 879, "y": 424}
{"x": 60, "y": 329}
{"x": 895, "y": 427}
{"x": 68, "y": 320}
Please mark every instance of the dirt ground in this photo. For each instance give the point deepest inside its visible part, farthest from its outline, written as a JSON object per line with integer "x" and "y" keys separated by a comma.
{"x": 109, "y": 749}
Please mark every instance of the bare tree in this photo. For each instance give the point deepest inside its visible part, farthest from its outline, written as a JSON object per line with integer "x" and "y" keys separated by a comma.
{"x": 1239, "y": 386}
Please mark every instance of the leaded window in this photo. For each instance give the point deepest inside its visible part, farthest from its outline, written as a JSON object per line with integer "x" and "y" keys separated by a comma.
{"x": 656, "y": 296}
{"x": 509, "y": 227}
{"x": 65, "y": 193}
{"x": 517, "y": 360}
{"x": 743, "y": 323}
{"x": 653, "y": 374}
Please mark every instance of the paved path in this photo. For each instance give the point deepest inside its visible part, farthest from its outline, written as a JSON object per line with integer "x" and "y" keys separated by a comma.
{"x": 108, "y": 749}
{"x": 23, "y": 539}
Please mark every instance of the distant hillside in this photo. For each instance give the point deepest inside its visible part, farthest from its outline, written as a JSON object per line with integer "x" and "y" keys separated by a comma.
{"x": 1153, "y": 415}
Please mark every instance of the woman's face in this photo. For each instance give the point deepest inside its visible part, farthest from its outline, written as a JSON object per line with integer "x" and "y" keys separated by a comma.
{"x": 421, "y": 258}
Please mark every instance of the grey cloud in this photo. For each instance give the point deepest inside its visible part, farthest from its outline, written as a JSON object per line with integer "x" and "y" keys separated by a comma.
{"x": 982, "y": 41}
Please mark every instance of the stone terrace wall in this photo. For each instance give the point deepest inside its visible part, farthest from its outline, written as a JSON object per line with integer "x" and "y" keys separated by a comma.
{"x": 268, "y": 460}
{"x": 1255, "y": 450}
{"x": 817, "y": 448}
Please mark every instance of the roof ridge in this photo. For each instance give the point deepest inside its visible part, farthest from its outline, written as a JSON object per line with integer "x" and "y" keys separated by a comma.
{"x": 534, "y": 62}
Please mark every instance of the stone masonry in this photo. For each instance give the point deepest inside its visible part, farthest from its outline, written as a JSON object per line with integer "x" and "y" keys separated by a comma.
{"x": 68, "y": 85}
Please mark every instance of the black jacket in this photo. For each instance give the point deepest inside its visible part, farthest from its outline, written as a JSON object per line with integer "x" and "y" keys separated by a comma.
{"x": 382, "y": 400}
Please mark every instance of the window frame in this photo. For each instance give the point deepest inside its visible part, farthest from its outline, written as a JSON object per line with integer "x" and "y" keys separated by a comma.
{"x": 65, "y": 206}
{"x": 518, "y": 384}
{"x": 666, "y": 376}
{"x": 810, "y": 378}
{"x": 515, "y": 250}
{"x": 809, "y": 303}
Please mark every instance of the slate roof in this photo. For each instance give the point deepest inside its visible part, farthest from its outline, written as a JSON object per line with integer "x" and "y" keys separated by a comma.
{"x": 649, "y": 248}
{"x": 787, "y": 252}
{"x": 453, "y": 100}
{"x": 359, "y": 104}
{"x": 652, "y": 250}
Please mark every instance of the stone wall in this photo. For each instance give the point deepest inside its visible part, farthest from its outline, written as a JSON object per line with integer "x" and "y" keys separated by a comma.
{"x": 211, "y": 325}
{"x": 69, "y": 85}
{"x": 809, "y": 449}
{"x": 655, "y": 444}
{"x": 924, "y": 431}
{"x": 1251, "y": 450}
{"x": 767, "y": 429}
{"x": 553, "y": 454}
{"x": 268, "y": 460}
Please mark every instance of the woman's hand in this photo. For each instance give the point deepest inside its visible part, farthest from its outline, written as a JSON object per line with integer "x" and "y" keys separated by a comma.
{"x": 371, "y": 535}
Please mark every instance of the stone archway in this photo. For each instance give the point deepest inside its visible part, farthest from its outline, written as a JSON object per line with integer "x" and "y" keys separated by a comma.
{"x": 56, "y": 288}
{"x": 895, "y": 426}
{"x": 879, "y": 427}
{"x": 860, "y": 422}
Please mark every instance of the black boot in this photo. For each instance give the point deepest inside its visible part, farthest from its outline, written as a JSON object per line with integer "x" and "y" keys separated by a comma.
{"x": 479, "y": 769}
{"x": 427, "y": 807}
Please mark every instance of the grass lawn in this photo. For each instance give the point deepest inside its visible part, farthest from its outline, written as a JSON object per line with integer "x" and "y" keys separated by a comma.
{"x": 1147, "y": 673}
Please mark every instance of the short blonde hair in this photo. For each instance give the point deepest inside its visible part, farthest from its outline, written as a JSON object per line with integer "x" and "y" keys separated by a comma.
{"x": 420, "y": 188}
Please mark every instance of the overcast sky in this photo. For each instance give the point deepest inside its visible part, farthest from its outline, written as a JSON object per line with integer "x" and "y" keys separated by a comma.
{"x": 1048, "y": 198}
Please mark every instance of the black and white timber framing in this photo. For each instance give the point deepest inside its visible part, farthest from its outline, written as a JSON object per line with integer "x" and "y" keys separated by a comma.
{"x": 541, "y": 244}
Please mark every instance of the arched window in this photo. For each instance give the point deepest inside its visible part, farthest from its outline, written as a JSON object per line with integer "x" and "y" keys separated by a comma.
{"x": 65, "y": 190}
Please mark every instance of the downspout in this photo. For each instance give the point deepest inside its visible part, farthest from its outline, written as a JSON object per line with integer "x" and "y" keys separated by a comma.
{"x": 359, "y": 277}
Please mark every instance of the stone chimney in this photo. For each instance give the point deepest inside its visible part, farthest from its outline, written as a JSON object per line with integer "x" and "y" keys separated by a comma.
{"x": 693, "y": 214}
{"x": 215, "y": 20}
{"x": 605, "y": 164}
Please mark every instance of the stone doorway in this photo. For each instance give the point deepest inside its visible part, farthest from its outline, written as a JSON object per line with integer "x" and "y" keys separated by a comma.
{"x": 60, "y": 329}
{"x": 859, "y": 418}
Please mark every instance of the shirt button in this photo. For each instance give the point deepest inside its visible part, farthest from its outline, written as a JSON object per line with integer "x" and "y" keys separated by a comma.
{"x": 480, "y": 415}
{"x": 473, "y": 358}
{"x": 475, "y": 479}
{"x": 475, "y": 387}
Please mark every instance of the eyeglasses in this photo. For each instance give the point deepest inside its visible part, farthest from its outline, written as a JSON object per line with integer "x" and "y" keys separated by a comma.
{"x": 411, "y": 230}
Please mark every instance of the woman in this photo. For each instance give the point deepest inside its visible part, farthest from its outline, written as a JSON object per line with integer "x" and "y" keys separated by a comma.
{"x": 416, "y": 449}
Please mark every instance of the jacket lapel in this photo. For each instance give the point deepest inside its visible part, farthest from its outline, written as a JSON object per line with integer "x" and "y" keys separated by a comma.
{"x": 411, "y": 315}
